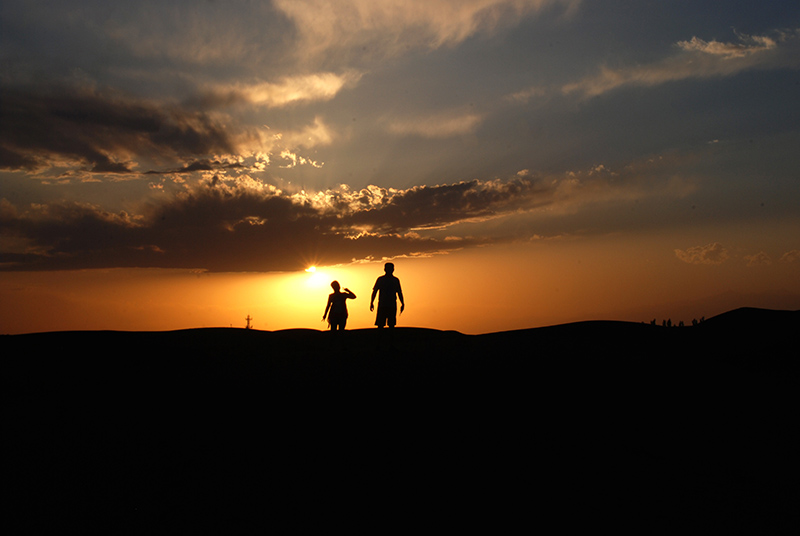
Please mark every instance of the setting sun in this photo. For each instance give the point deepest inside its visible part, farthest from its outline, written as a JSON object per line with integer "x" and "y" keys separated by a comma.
{"x": 316, "y": 278}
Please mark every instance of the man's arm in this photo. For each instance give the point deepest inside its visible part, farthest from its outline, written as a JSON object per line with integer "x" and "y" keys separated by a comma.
{"x": 372, "y": 299}
{"x": 400, "y": 296}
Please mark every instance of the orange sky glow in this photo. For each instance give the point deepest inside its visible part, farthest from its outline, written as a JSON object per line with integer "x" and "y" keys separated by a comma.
{"x": 515, "y": 287}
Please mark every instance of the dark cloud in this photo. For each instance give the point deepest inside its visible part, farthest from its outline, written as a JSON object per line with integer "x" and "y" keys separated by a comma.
{"x": 224, "y": 226}
{"x": 100, "y": 132}
{"x": 203, "y": 164}
{"x": 435, "y": 206}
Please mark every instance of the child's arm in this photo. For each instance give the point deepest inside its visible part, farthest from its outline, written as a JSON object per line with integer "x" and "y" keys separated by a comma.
{"x": 327, "y": 307}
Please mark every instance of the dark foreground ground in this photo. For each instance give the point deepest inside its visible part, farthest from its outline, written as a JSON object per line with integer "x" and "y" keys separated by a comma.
{"x": 597, "y": 425}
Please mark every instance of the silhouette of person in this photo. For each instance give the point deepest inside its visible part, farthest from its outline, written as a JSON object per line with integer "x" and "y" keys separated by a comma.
{"x": 336, "y": 309}
{"x": 389, "y": 288}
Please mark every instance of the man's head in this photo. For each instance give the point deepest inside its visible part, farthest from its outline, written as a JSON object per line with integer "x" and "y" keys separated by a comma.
{"x": 335, "y": 286}
{"x": 388, "y": 267}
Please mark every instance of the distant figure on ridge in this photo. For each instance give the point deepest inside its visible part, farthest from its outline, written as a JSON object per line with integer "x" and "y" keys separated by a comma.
{"x": 389, "y": 287}
{"x": 336, "y": 310}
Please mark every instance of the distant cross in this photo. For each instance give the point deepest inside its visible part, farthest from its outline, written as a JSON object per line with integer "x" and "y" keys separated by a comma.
{"x": 249, "y": 318}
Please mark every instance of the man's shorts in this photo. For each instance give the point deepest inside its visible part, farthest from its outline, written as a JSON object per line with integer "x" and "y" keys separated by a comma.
{"x": 387, "y": 314}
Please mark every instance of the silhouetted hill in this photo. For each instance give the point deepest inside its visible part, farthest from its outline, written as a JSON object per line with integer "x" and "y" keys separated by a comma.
{"x": 590, "y": 424}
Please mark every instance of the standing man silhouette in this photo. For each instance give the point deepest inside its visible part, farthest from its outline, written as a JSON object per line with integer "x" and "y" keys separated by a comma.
{"x": 389, "y": 287}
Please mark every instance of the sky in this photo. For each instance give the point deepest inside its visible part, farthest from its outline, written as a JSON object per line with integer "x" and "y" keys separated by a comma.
{"x": 170, "y": 165}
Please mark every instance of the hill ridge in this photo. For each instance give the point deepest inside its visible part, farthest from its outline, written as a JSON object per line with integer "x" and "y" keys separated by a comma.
{"x": 751, "y": 315}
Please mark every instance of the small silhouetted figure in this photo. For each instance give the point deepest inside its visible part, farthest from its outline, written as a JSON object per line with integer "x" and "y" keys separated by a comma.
{"x": 336, "y": 310}
{"x": 389, "y": 288}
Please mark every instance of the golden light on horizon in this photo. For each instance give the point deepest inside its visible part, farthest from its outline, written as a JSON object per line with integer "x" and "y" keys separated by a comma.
{"x": 316, "y": 278}
{"x": 614, "y": 277}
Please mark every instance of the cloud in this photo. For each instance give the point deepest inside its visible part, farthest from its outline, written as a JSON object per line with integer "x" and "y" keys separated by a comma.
{"x": 439, "y": 125}
{"x": 713, "y": 253}
{"x": 759, "y": 259}
{"x": 747, "y": 45}
{"x": 697, "y": 58}
{"x": 288, "y": 91}
{"x": 99, "y": 132}
{"x": 791, "y": 256}
{"x": 316, "y": 134}
{"x": 181, "y": 34}
{"x": 392, "y": 27}
{"x": 527, "y": 94}
{"x": 204, "y": 164}
{"x": 431, "y": 207}
{"x": 88, "y": 131}
{"x": 227, "y": 225}
{"x": 245, "y": 224}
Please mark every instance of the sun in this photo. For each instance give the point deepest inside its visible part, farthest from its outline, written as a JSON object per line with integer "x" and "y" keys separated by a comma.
{"x": 316, "y": 278}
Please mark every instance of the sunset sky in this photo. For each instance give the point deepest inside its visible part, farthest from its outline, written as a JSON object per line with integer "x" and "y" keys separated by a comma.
{"x": 181, "y": 164}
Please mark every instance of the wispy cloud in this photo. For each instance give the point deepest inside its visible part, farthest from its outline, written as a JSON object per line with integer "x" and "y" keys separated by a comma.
{"x": 288, "y": 91}
{"x": 758, "y": 259}
{"x": 527, "y": 94}
{"x": 390, "y": 27}
{"x": 714, "y": 253}
{"x": 747, "y": 45}
{"x": 791, "y": 256}
{"x": 697, "y": 58}
{"x": 316, "y": 134}
{"x": 693, "y": 58}
{"x": 437, "y": 125}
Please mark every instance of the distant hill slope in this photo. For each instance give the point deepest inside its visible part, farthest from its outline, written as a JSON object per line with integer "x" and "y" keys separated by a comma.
{"x": 585, "y": 425}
